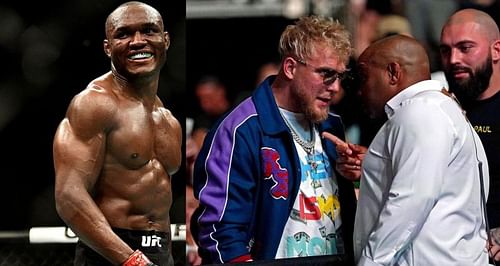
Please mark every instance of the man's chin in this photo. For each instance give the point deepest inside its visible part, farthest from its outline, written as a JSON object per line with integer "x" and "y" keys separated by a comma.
{"x": 373, "y": 114}
{"x": 461, "y": 82}
{"x": 141, "y": 72}
{"x": 317, "y": 116}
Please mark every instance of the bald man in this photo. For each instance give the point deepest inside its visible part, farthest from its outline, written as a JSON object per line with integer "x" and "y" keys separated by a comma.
{"x": 470, "y": 53}
{"x": 117, "y": 148}
{"x": 420, "y": 188}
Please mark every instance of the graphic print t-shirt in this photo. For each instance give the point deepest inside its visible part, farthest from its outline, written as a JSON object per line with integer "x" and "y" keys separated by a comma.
{"x": 313, "y": 226}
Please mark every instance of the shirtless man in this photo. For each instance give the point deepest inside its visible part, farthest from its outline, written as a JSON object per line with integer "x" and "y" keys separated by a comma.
{"x": 117, "y": 148}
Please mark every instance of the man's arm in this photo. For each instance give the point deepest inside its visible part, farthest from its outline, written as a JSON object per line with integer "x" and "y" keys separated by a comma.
{"x": 79, "y": 150}
{"x": 174, "y": 136}
{"x": 225, "y": 176}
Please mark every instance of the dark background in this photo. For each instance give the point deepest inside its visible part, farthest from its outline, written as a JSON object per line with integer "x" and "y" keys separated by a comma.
{"x": 231, "y": 49}
{"x": 50, "y": 51}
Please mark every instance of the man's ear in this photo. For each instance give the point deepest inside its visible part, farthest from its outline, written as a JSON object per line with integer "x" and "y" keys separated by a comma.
{"x": 394, "y": 72}
{"x": 289, "y": 67}
{"x": 167, "y": 40}
{"x": 106, "y": 47}
{"x": 495, "y": 51}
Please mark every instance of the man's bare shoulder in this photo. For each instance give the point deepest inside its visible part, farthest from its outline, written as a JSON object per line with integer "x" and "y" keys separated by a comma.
{"x": 167, "y": 114}
{"x": 94, "y": 107}
{"x": 99, "y": 89}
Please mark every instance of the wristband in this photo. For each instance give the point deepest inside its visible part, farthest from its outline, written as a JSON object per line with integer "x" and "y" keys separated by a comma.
{"x": 137, "y": 259}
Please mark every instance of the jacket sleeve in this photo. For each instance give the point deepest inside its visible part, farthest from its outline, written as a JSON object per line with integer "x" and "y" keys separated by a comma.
{"x": 224, "y": 176}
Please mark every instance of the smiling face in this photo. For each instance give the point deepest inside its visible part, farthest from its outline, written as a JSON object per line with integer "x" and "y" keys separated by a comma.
{"x": 135, "y": 41}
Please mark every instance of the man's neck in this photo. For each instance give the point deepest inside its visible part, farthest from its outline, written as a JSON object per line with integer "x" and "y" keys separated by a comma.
{"x": 145, "y": 88}
{"x": 493, "y": 87}
{"x": 282, "y": 95}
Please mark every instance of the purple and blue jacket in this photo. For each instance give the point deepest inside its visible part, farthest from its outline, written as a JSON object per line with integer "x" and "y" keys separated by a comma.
{"x": 247, "y": 176}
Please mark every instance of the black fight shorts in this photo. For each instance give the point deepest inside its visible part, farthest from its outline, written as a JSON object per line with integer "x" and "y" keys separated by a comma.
{"x": 155, "y": 245}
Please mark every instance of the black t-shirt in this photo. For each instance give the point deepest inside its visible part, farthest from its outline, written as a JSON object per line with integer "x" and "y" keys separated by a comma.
{"x": 485, "y": 117}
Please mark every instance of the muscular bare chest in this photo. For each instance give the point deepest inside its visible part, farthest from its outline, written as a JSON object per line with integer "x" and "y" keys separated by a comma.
{"x": 138, "y": 137}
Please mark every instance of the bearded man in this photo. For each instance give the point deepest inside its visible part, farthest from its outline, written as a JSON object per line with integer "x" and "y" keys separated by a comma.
{"x": 470, "y": 53}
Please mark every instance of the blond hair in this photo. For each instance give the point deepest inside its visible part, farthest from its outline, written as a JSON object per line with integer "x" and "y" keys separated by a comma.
{"x": 299, "y": 40}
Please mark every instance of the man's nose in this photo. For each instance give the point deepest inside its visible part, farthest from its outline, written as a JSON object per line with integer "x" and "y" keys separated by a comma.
{"x": 455, "y": 56}
{"x": 138, "y": 38}
{"x": 335, "y": 86}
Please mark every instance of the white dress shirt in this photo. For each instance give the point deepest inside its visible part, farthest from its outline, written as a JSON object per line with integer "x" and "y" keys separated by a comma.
{"x": 420, "y": 197}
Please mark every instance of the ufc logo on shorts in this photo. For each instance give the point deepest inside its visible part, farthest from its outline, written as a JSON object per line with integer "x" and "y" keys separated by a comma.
{"x": 151, "y": 241}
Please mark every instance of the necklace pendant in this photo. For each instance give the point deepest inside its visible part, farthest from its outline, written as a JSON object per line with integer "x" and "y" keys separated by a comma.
{"x": 314, "y": 165}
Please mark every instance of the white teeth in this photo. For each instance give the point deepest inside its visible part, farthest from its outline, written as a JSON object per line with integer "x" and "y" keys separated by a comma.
{"x": 140, "y": 56}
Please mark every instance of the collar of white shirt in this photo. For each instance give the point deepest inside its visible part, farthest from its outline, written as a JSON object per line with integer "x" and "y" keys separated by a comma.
{"x": 395, "y": 102}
